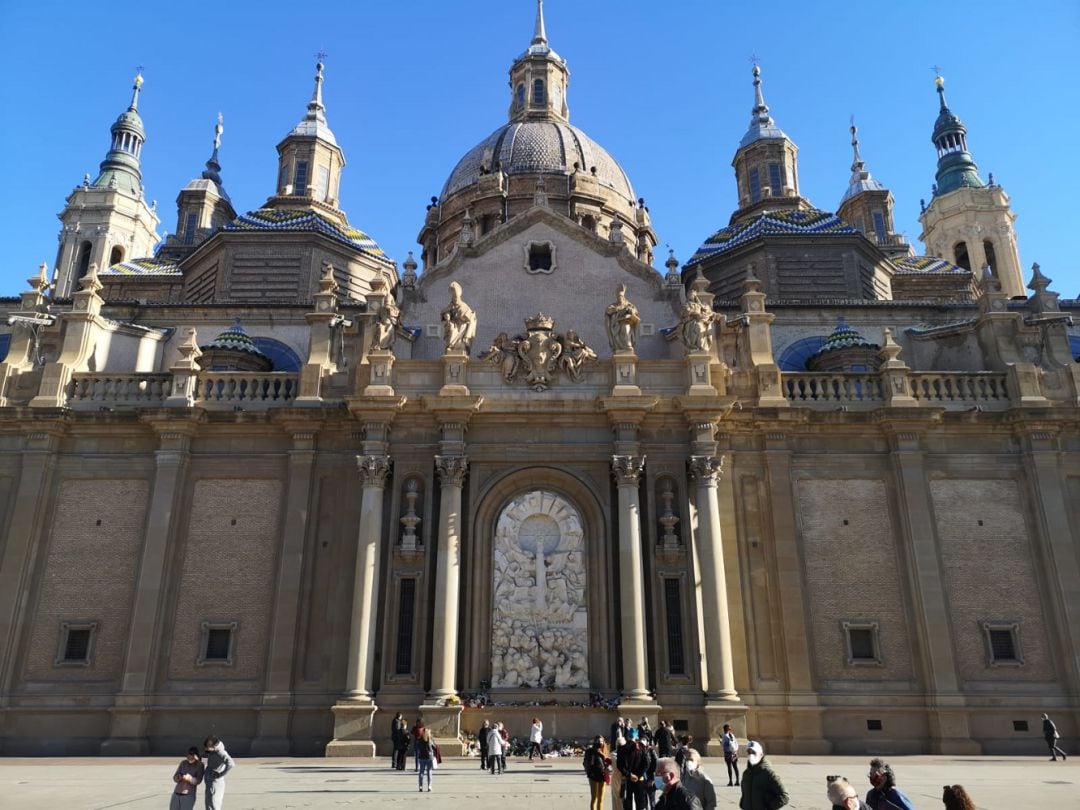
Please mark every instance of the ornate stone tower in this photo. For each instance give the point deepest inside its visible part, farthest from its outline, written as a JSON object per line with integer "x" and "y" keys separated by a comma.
{"x": 766, "y": 168}
{"x": 108, "y": 220}
{"x": 539, "y": 79}
{"x": 969, "y": 221}
{"x": 868, "y": 205}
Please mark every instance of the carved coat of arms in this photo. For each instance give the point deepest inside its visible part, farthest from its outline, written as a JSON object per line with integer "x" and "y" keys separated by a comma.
{"x": 540, "y": 354}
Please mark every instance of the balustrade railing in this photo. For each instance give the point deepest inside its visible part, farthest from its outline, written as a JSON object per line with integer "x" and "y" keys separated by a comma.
{"x": 246, "y": 387}
{"x": 812, "y": 387}
{"x": 968, "y": 387}
{"x": 118, "y": 389}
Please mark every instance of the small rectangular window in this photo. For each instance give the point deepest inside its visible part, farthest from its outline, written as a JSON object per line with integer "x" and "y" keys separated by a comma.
{"x": 673, "y": 608}
{"x": 76, "y": 644}
{"x": 300, "y": 179}
{"x": 322, "y": 188}
{"x": 879, "y": 226}
{"x": 218, "y": 646}
{"x": 682, "y": 725}
{"x": 755, "y": 185}
{"x": 77, "y": 648}
{"x": 539, "y": 257}
{"x": 863, "y": 646}
{"x": 406, "y": 620}
{"x": 1002, "y": 646}
{"x": 1020, "y": 725}
{"x": 873, "y": 725}
{"x": 189, "y": 229}
{"x": 1003, "y": 643}
{"x": 775, "y": 180}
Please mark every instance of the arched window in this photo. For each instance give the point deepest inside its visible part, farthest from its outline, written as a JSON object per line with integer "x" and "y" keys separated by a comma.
{"x": 280, "y": 354}
{"x": 82, "y": 264}
{"x": 116, "y": 256}
{"x": 960, "y": 252}
{"x": 794, "y": 357}
{"x": 520, "y": 102}
{"x": 991, "y": 257}
{"x": 539, "y": 97}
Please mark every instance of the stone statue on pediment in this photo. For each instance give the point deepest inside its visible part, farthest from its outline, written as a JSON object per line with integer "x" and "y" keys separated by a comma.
{"x": 458, "y": 322}
{"x": 622, "y": 321}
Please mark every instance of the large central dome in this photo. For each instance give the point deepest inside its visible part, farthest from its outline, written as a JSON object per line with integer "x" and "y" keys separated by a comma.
{"x": 531, "y": 147}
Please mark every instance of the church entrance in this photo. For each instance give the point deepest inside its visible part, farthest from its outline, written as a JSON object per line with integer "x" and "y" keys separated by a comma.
{"x": 539, "y": 630}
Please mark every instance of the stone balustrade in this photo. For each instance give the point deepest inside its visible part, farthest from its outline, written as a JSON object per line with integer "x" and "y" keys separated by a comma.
{"x": 810, "y": 387}
{"x": 927, "y": 388}
{"x": 118, "y": 389}
{"x": 241, "y": 387}
{"x": 962, "y": 387}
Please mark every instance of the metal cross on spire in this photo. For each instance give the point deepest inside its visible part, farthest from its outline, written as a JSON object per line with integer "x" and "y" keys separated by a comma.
{"x": 321, "y": 55}
{"x": 753, "y": 60}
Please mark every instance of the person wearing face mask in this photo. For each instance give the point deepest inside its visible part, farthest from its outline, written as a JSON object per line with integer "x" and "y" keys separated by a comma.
{"x": 674, "y": 794}
{"x": 697, "y": 781}
{"x": 597, "y": 766}
{"x": 761, "y": 787}
{"x": 884, "y": 794}
{"x": 218, "y": 764}
{"x": 633, "y": 763}
{"x": 843, "y": 795}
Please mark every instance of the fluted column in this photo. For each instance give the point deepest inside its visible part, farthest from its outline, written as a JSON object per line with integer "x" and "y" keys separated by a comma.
{"x": 452, "y": 471}
{"x": 705, "y": 472}
{"x": 373, "y": 472}
{"x": 627, "y": 471}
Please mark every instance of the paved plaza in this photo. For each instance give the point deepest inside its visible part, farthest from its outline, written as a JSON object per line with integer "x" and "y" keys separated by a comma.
{"x": 996, "y": 783}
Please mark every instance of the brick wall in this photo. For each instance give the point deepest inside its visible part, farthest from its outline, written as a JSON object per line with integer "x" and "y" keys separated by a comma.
{"x": 228, "y": 574}
{"x": 90, "y": 565}
{"x": 989, "y": 574}
{"x": 852, "y": 574}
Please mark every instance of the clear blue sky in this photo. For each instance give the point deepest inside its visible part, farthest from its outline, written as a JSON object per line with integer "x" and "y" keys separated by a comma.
{"x": 664, "y": 87}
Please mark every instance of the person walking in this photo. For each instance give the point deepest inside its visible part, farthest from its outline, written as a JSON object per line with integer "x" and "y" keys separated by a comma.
{"x": 761, "y": 787}
{"x": 697, "y": 781}
{"x": 954, "y": 797}
{"x": 1050, "y": 734}
{"x": 417, "y": 732}
{"x": 884, "y": 795}
{"x": 398, "y": 729}
{"x": 597, "y": 766}
{"x": 536, "y": 738}
{"x": 632, "y": 761}
{"x": 188, "y": 777}
{"x": 218, "y": 764}
{"x": 731, "y": 755}
{"x": 504, "y": 735}
{"x": 843, "y": 795}
{"x": 494, "y": 749}
{"x": 665, "y": 740}
{"x": 425, "y": 757}
{"x": 675, "y": 795}
{"x": 482, "y": 740}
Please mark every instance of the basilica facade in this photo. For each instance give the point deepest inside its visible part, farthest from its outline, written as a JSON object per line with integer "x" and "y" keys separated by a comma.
{"x": 258, "y": 479}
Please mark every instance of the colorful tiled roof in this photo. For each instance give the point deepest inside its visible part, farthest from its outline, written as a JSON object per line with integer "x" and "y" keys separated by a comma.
{"x": 143, "y": 267}
{"x": 308, "y": 221}
{"x": 926, "y": 264}
{"x": 844, "y": 337}
{"x": 234, "y": 339}
{"x": 772, "y": 223}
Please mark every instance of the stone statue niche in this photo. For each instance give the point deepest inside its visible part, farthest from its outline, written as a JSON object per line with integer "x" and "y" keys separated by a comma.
{"x": 539, "y": 627}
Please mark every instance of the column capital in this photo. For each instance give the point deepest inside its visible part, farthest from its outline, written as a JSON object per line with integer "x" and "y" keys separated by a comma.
{"x": 706, "y": 469}
{"x": 627, "y": 469}
{"x": 373, "y": 470}
{"x": 452, "y": 470}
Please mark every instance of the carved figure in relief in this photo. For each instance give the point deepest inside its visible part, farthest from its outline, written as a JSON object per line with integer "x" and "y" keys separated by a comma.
{"x": 540, "y": 354}
{"x": 503, "y": 353}
{"x": 575, "y": 354}
{"x": 458, "y": 322}
{"x": 386, "y": 327}
{"x": 696, "y": 324}
{"x": 622, "y": 319}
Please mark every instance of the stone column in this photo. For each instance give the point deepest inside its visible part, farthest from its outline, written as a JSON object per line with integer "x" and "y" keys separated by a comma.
{"x": 705, "y": 472}
{"x": 359, "y": 674}
{"x": 277, "y": 699}
{"x": 627, "y": 471}
{"x": 949, "y": 730}
{"x": 452, "y": 471}
{"x": 24, "y": 530}
{"x": 130, "y": 712}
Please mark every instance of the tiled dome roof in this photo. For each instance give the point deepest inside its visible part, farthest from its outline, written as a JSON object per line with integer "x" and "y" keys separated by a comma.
{"x": 529, "y": 147}
{"x": 276, "y": 219}
{"x": 235, "y": 339}
{"x": 844, "y": 337}
{"x": 796, "y": 223}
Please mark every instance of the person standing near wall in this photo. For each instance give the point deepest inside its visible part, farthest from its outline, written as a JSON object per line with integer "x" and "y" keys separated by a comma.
{"x": 536, "y": 739}
{"x": 218, "y": 764}
{"x": 188, "y": 777}
{"x": 597, "y": 766}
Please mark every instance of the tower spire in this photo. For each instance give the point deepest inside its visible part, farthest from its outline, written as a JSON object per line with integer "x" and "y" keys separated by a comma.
{"x": 213, "y": 166}
{"x": 540, "y": 35}
{"x": 121, "y": 168}
{"x": 761, "y": 123}
{"x": 315, "y": 108}
{"x": 956, "y": 168}
{"x": 857, "y": 165}
{"x": 136, "y": 87}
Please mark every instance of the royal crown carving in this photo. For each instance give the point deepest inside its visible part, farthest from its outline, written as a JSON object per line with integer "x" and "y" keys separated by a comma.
{"x": 539, "y": 355}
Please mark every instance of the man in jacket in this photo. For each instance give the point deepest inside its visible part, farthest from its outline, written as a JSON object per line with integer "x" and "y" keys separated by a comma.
{"x": 674, "y": 796}
{"x": 1050, "y": 734}
{"x": 761, "y": 787}
{"x": 633, "y": 763}
{"x": 884, "y": 795}
{"x": 218, "y": 763}
{"x": 665, "y": 740}
{"x": 494, "y": 749}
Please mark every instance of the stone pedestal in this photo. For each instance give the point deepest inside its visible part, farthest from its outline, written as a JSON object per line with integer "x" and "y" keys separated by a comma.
{"x": 455, "y": 374}
{"x": 717, "y": 714}
{"x": 624, "y": 370}
{"x": 353, "y": 725}
{"x": 699, "y": 381}
{"x": 444, "y": 723}
{"x": 382, "y": 363}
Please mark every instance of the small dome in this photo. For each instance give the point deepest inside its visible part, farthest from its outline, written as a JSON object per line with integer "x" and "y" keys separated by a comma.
{"x": 530, "y": 147}
{"x": 234, "y": 350}
{"x": 844, "y": 337}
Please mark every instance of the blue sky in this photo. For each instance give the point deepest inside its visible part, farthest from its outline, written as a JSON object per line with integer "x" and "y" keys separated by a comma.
{"x": 664, "y": 87}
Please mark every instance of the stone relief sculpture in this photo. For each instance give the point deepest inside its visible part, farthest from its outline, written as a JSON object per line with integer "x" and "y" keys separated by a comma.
{"x": 623, "y": 320}
{"x": 539, "y": 633}
{"x": 458, "y": 322}
{"x": 540, "y": 354}
{"x": 697, "y": 324}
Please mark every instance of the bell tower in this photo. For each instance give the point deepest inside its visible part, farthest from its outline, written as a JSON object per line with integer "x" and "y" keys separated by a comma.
{"x": 108, "y": 220}
{"x": 969, "y": 221}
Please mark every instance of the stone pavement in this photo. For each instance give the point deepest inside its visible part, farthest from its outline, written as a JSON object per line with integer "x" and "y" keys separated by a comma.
{"x": 996, "y": 783}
